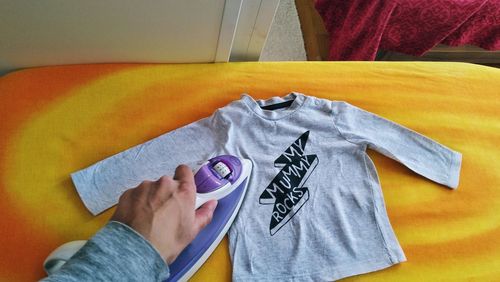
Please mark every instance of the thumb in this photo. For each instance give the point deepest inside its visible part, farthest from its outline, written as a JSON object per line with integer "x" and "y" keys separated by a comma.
{"x": 204, "y": 214}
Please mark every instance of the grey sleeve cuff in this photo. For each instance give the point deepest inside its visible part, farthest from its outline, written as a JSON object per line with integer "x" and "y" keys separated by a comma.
{"x": 455, "y": 166}
{"x": 116, "y": 252}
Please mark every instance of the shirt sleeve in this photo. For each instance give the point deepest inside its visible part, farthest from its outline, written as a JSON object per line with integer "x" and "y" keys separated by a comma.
{"x": 101, "y": 184}
{"x": 115, "y": 253}
{"x": 419, "y": 153}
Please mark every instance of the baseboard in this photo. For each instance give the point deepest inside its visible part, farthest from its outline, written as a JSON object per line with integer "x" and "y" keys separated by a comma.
{"x": 466, "y": 53}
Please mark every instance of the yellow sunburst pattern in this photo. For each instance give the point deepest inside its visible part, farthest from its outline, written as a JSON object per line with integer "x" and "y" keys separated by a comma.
{"x": 56, "y": 120}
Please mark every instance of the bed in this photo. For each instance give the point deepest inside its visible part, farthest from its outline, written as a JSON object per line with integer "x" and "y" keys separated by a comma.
{"x": 56, "y": 120}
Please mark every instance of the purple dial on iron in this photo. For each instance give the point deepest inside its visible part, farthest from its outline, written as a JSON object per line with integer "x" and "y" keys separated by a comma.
{"x": 217, "y": 172}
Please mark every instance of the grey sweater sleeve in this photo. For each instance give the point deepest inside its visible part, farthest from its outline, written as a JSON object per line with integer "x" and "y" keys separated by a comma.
{"x": 115, "y": 253}
{"x": 419, "y": 153}
{"x": 101, "y": 184}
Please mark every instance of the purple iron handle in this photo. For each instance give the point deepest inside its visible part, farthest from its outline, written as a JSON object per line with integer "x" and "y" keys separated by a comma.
{"x": 215, "y": 178}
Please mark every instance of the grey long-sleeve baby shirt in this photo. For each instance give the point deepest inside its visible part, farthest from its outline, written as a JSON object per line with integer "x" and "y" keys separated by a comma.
{"x": 314, "y": 209}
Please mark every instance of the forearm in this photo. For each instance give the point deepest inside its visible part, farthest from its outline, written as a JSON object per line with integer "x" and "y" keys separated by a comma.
{"x": 116, "y": 252}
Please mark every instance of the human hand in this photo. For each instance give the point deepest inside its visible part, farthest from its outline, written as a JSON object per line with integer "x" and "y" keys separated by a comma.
{"x": 164, "y": 212}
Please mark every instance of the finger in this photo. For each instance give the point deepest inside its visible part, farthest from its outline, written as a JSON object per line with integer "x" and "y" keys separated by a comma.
{"x": 163, "y": 190}
{"x": 142, "y": 188}
{"x": 140, "y": 193}
{"x": 203, "y": 216}
{"x": 125, "y": 196}
{"x": 184, "y": 174}
{"x": 166, "y": 184}
{"x": 124, "y": 203}
{"x": 144, "y": 183}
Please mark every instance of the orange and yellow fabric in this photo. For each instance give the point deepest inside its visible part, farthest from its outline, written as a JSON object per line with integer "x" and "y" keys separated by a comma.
{"x": 56, "y": 120}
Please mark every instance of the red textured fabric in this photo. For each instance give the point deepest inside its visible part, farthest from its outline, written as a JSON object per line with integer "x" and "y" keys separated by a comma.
{"x": 358, "y": 28}
{"x": 482, "y": 29}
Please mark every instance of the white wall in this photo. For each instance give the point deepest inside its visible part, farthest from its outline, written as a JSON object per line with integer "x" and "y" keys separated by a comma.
{"x": 50, "y": 32}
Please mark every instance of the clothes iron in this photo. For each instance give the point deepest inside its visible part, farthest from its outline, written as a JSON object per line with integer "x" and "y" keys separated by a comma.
{"x": 224, "y": 178}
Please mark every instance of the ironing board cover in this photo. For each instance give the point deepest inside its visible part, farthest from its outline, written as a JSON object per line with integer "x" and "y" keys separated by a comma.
{"x": 56, "y": 120}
